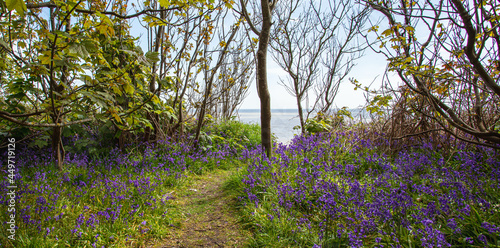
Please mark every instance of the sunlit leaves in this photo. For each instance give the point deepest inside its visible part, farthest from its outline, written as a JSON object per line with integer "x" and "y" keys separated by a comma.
{"x": 187, "y": 3}
{"x": 377, "y": 103}
{"x": 79, "y": 50}
{"x": 106, "y": 26}
{"x": 164, "y": 3}
{"x": 168, "y": 82}
{"x": 116, "y": 117}
{"x": 229, "y": 3}
{"x": 129, "y": 89}
{"x": 388, "y": 32}
{"x": 152, "y": 56}
{"x": 373, "y": 28}
{"x": 85, "y": 64}
{"x": 44, "y": 59}
{"x": 89, "y": 67}
{"x": 17, "y": 5}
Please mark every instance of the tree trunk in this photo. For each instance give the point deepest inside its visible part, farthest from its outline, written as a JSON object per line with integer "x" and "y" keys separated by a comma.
{"x": 265, "y": 98}
{"x": 152, "y": 117}
{"x": 57, "y": 90}
{"x": 181, "y": 120}
{"x": 301, "y": 115}
{"x": 57, "y": 147}
{"x": 201, "y": 116}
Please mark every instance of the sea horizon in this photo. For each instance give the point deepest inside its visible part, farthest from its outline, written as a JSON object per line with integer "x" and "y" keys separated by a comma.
{"x": 283, "y": 120}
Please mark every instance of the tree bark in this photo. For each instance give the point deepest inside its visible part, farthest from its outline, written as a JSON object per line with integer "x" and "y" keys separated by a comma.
{"x": 152, "y": 117}
{"x": 301, "y": 115}
{"x": 262, "y": 86}
{"x": 57, "y": 147}
{"x": 264, "y": 34}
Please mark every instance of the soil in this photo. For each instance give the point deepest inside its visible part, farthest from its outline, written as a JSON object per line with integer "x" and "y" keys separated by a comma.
{"x": 210, "y": 218}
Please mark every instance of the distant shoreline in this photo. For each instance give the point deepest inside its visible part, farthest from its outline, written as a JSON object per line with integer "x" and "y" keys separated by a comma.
{"x": 272, "y": 110}
{"x": 354, "y": 111}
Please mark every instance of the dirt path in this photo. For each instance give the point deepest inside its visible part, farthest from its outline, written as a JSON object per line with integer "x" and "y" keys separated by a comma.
{"x": 210, "y": 221}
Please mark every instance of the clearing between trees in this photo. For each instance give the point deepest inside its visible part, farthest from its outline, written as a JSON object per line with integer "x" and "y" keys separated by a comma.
{"x": 210, "y": 218}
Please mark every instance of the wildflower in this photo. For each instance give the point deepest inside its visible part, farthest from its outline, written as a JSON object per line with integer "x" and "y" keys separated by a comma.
{"x": 482, "y": 238}
{"x": 270, "y": 217}
{"x": 469, "y": 240}
{"x": 490, "y": 227}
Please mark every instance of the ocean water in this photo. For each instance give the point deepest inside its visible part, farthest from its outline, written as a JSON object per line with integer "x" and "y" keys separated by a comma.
{"x": 283, "y": 120}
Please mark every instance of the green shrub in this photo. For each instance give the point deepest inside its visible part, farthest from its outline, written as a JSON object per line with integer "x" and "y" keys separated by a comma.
{"x": 234, "y": 133}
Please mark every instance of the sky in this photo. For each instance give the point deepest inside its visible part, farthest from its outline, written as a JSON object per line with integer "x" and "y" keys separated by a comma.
{"x": 368, "y": 70}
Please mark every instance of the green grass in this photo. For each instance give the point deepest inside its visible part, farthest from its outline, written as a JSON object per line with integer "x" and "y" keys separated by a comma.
{"x": 423, "y": 177}
{"x": 235, "y": 133}
{"x": 70, "y": 208}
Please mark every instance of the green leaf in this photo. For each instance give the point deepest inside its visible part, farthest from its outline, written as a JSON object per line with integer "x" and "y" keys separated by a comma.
{"x": 128, "y": 89}
{"x": 153, "y": 57}
{"x": 387, "y": 32}
{"x": 90, "y": 45}
{"x": 117, "y": 117}
{"x": 168, "y": 82}
{"x": 79, "y": 50}
{"x": 17, "y": 5}
{"x": 40, "y": 142}
{"x": 165, "y": 3}
{"x": 4, "y": 45}
{"x": 156, "y": 100}
{"x": 44, "y": 59}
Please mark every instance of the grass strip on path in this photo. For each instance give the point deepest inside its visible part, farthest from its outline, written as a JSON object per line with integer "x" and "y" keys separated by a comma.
{"x": 210, "y": 219}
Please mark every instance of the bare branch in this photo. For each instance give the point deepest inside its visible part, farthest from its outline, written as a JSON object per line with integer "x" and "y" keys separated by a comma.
{"x": 87, "y": 11}
{"x": 245, "y": 14}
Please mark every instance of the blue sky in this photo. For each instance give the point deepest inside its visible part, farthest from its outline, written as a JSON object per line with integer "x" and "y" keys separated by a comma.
{"x": 370, "y": 68}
